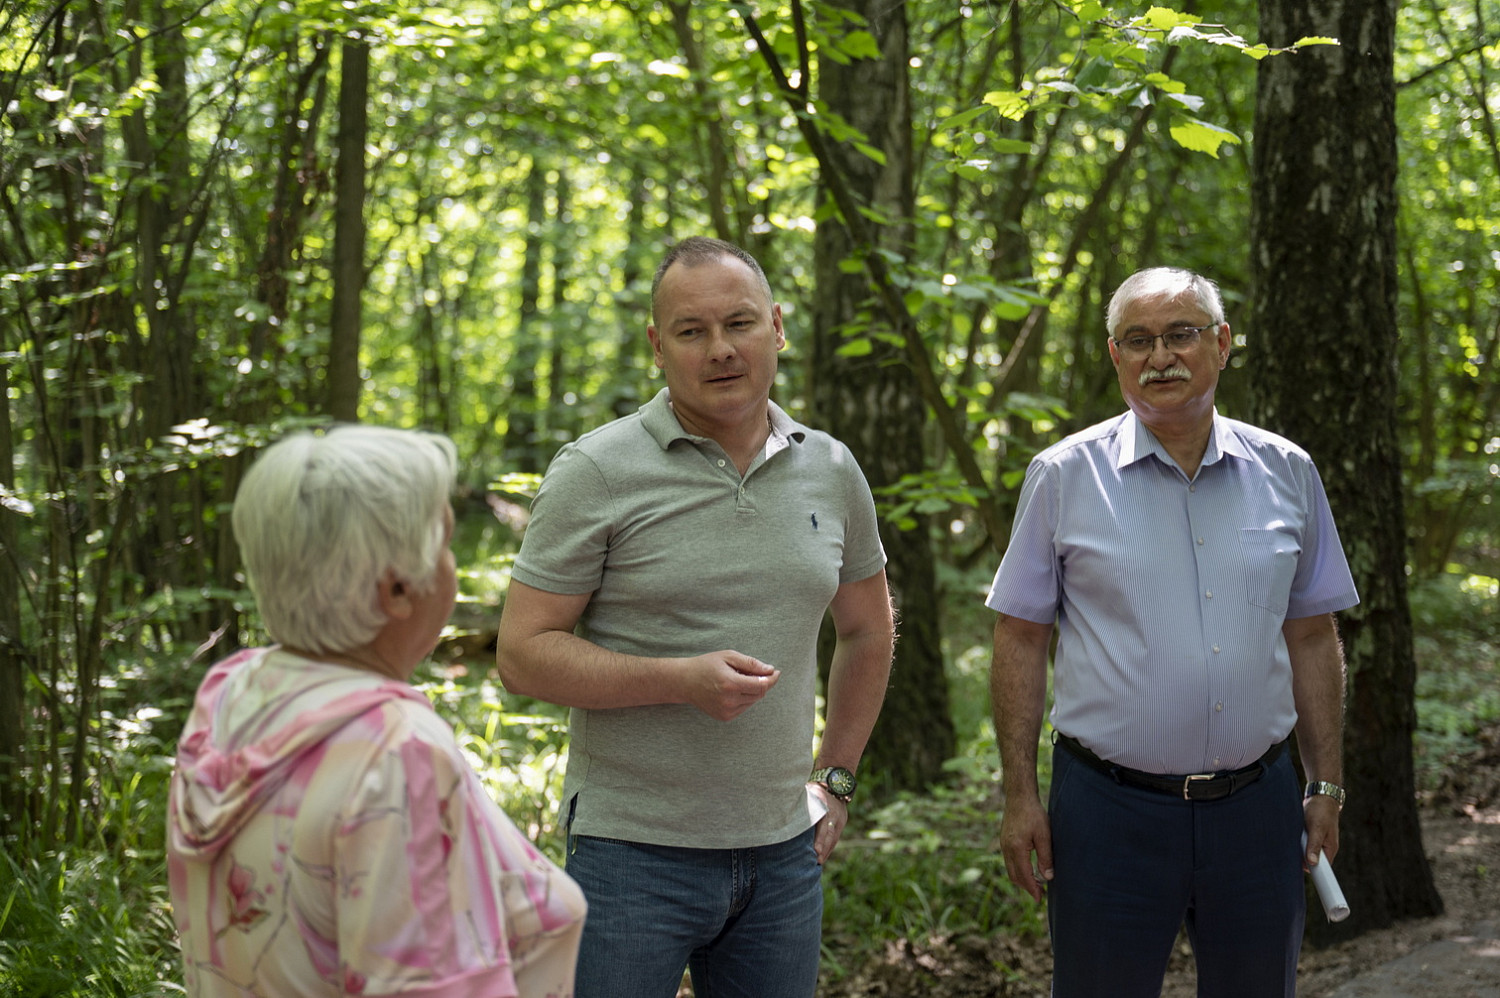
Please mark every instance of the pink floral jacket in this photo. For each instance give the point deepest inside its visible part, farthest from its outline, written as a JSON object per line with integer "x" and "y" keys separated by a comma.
{"x": 326, "y": 836}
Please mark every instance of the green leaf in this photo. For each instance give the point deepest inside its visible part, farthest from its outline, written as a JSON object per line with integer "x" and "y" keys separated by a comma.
{"x": 1011, "y": 146}
{"x": 1095, "y": 73}
{"x": 1189, "y": 101}
{"x": 961, "y": 119}
{"x": 1165, "y": 18}
{"x": 1012, "y": 104}
{"x": 861, "y": 45}
{"x": 861, "y": 347}
{"x": 1090, "y": 11}
{"x": 1314, "y": 40}
{"x": 1200, "y": 136}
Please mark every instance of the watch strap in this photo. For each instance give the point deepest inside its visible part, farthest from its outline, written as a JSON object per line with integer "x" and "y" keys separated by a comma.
{"x": 820, "y": 777}
{"x": 1325, "y": 789}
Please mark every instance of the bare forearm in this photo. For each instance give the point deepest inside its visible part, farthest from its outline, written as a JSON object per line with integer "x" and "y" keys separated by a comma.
{"x": 562, "y": 668}
{"x": 860, "y": 670}
{"x": 857, "y": 680}
{"x": 1018, "y": 696}
{"x": 1318, "y": 693}
{"x": 537, "y": 654}
{"x": 1018, "y": 699}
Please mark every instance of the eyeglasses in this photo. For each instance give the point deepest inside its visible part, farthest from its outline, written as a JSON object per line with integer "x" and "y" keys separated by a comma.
{"x": 1177, "y": 340}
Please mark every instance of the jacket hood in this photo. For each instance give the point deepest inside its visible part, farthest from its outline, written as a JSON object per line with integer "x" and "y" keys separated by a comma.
{"x": 256, "y": 715}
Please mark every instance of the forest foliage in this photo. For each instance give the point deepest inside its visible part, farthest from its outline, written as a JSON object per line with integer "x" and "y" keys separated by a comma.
{"x": 170, "y": 197}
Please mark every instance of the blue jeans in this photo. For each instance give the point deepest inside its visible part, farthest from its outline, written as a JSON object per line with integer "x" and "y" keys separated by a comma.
{"x": 1133, "y": 866}
{"x": 746, "y": 922}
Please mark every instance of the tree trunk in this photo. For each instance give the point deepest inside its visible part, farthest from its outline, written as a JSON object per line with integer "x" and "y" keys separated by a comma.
{"x": 522, "y": 449}
{"x": 1323, "y": 349}
{"x": 349, "y": 233}
{"x": 873, "y": 402}
{"x": 13, "y": 823}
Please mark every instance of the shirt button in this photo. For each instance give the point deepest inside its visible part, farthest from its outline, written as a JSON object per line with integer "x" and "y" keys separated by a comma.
{"x": 1219, "y": 707}
{"x": 1200, "y": 542}
{"x": 1216, "y": 649}
{"x": 1209, "y": 594}
{"x": 1192, "y": 488}
{"x": 1216, "y": 760}
{"x": 721, "y": 464}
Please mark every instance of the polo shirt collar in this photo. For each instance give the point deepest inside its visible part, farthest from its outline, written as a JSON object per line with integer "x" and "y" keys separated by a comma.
{"x": 662, "y": 424}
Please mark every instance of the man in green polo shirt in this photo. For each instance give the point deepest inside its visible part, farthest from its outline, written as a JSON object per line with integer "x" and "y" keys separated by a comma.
{"x": 695, "y": 547}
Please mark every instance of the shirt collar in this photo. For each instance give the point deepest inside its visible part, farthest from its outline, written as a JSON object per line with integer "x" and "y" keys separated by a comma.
{"x": 1137, "y": 443}
{"x": 662, "y": 424}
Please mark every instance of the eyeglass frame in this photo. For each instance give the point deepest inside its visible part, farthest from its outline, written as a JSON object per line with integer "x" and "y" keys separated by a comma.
{"x": 1197, "y": 332}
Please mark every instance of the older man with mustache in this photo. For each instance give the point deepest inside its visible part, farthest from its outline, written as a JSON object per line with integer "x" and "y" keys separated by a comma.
{"x": 1191, "y": 566}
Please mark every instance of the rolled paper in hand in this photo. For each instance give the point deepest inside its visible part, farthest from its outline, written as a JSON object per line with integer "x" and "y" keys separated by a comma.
{"x": 1329, "y": 892}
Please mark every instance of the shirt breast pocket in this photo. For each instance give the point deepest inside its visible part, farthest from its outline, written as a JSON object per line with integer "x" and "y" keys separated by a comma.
{"x": 1270, "y": 561}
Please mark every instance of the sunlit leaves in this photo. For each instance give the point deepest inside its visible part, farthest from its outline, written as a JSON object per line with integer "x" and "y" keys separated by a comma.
{"x": 1202, "y": 136}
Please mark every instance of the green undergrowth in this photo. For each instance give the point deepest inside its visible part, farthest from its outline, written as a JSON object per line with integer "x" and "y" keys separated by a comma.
{"x": 1456, "y": 619}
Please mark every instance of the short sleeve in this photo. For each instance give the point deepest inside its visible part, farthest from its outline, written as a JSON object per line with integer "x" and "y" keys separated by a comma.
{"x": 1323, "y": 582}
{"x": 864, "y": 555}
{"x": 567, "y": 540}
{"x": 1028, "y": 583}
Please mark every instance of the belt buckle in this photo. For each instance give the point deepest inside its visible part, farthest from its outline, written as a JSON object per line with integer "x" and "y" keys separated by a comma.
{"x": 1187, "y": 783}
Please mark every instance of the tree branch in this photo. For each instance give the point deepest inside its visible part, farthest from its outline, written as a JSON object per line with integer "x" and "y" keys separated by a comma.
{"x": 876, "y": 268}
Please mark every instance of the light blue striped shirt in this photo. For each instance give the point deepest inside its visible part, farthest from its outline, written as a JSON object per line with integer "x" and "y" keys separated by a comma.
{"x": 1169, "y": 593}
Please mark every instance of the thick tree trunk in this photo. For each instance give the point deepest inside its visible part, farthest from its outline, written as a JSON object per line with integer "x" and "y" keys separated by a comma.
{"x": 873, "y": 402}
{"x": 1323, "y": 351}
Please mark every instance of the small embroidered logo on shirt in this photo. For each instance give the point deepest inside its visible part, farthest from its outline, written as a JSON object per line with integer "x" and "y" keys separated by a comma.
{"x": 815, "y": 521}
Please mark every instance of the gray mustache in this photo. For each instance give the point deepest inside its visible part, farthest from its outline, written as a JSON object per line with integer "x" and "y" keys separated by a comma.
{"x": 1172, "y": 373}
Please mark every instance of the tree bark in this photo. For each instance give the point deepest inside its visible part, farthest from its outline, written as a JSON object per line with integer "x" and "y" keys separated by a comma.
{"x": 873, "y": 402}
{"x": 13, "y": 823}
{"x": 521, "y": 443}
{"x": 1323, "y": 348}
{"x": 344, "y": 382}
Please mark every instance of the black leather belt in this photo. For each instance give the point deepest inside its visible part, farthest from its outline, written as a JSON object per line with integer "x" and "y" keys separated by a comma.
{"x": 1192, "y": 786}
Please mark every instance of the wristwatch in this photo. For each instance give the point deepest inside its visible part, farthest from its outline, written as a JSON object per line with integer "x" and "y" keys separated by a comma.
{"x": 1327, "y": 789}
{"x": 839, "y": 781}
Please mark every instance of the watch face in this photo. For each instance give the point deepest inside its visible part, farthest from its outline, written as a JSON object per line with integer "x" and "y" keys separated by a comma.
{"x": 841, "y": 781}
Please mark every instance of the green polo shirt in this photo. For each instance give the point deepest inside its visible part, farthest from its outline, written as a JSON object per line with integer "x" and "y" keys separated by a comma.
{"x": 685, "y": 556}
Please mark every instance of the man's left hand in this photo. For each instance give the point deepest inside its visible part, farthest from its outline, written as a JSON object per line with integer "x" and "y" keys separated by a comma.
{"x": 1320, "y": 814}
{"x": 831, "y": 825}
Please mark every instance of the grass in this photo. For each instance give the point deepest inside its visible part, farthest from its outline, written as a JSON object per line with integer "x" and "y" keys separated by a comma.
{"x": 1456, "y": 618}
{"x": 95, "y": 920}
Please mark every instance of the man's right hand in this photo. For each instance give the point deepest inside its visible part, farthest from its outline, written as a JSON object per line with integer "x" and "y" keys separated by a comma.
{"x": 725, "y": 684}
{"x": 1024, "y": 830}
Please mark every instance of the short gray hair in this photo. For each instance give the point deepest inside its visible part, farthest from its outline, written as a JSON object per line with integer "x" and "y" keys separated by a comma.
{"x": 1164, "y": 282}
{"x": 321, "y": 518}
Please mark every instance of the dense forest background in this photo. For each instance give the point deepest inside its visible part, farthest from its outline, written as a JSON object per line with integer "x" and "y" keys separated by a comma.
{"x": 222, "y": 219}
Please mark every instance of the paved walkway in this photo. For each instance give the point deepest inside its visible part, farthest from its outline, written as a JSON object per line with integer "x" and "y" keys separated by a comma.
{"x": 1465, "y": 965}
